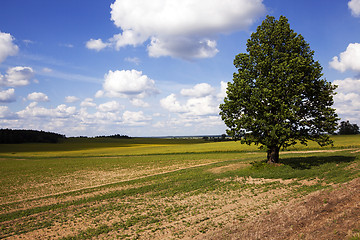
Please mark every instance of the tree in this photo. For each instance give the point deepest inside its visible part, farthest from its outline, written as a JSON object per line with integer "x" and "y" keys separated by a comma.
{"x": 346, "y": 128}
{"x": 277, "y": 96}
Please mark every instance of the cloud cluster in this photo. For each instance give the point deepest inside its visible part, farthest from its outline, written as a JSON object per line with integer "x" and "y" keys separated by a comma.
{"x": 194, "y": 109}
{"x": 33, "y": 110}
{"x": 108, "y": 117}
{"x": 135, "y": 118}
{"x": 4, "y": 112}
{"x": 96, "y": 44}
{"x": 17, "y": 76}
{"x": 347, "y": 99}
{"x": 7, "y": 47}
{"x": 354, "y": 6}
{"x": 112, "y": 106}
{"x": 88, "y": 102}
{"x": 182, "y": 29}
{"x": 38, "y": 97}
{"x": 7, "y": 96}
{"x": 182, "y": 47}
{"x": 71, "y": 99}
{"x": 127, "y": 84}
{"x": 201, "y": 100}
{"x": 349, "y": 60}
{"x": 199, "y": 90}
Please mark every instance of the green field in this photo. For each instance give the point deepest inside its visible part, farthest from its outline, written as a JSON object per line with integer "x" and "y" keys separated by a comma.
{"x": 155, "y": 188}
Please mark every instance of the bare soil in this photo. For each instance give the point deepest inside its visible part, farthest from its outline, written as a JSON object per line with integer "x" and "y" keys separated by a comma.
{"x": 256, "y": 208}
{"x": 327, "y": 214}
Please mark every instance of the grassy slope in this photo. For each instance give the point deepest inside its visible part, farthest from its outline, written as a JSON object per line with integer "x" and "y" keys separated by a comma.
{"x": 144, "y": 189}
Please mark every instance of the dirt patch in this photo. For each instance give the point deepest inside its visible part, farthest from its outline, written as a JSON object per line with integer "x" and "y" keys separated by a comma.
{"x": 80, "y": 181}
{"x": 250, "y": 210}
{"x": 242, "y": 208}
{"x": 230, "y": 167}
{"x": 328, "y": 214}
{"x": 250, "y": 180}
{"x": 320, "y": 151}
{"x": 153, "y": 217}
{"x": 83, "y": 180}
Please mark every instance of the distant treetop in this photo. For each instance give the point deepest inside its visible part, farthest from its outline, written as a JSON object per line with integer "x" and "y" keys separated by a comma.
{"x": 346, "y": 128}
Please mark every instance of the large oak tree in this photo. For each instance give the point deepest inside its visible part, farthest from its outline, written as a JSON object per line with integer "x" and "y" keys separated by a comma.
{"x": 278, "y": 96}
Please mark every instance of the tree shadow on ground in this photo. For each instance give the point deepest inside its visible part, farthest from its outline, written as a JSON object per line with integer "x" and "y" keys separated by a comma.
{"x": 302, "y": 163}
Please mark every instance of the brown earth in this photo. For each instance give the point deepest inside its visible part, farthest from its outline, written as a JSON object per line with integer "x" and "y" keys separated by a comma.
{"x": 263, "y": 209}
{"x": 327, "y": 214}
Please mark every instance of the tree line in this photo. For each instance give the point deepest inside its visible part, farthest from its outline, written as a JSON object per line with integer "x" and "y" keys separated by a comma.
{"x": 27, "y": 136}
{"x": 119, "y": 136}
{"x": 347, "y": 128}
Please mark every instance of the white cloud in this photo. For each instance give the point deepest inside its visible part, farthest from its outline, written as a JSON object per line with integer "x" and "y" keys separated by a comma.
{"x": 128, "y": 37}
{"x": 17, "y": 76}
{"x": 186, "y": 17}
{"x": 347, "y": 105}
{"x": 47, "y": 70}
{"x": 71, "y": 99}
{"x": 347, "y": 85}
{"x": 4, "y": 112}
{"x": 61, "y": 111}
{"x": 127, "y": 83}
{"x": 135, "y": 60}
{"x": 38, "y": 97}
{"x": 195, "y": 125}
{"x": 202, "y": 106}
{"x": 99, "y": 94}
{"x": 199, "y": 90}
{"x": 347, "y": 99}
{"x": 135, "y": 118}
{"x": 183, "y": 29}
{"x": 171, "y": 104}
{"x": 7, "y": 47}
{"x": 195, "y": 106}
{"x": 139, "y": 103}
{"x": 354, "y": 6}
{"x": 88, "y": 102}
{"x": 7, "y": 96}
{"x": 223, "y": 88}
{"x": 112, "y": 106}
{"x": 196, "y": 109}
{"x": 96, "y": 44}
{"x": 201, "y": 100}
{"x": 182, "y": 47}
{"x": 349, "y": 60}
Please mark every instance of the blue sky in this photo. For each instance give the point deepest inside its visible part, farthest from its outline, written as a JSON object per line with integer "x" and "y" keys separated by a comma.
{"x": 152, "y": 68}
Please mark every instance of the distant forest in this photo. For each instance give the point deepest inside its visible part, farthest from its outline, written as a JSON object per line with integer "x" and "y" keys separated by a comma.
{"x": 34, "y": 136}
{"x": 110, "y": 136}
{"x": 28, "y": 136}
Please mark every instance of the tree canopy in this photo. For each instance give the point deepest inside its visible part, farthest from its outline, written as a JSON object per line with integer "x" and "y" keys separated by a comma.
{"x": 347, "y": 128}
{"x": 278, "y": 95}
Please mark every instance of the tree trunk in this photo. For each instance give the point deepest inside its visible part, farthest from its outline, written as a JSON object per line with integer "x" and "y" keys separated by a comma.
{"x": 273, "y": 155}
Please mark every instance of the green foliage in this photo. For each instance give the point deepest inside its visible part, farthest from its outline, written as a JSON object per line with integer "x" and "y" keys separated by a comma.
{"x": 346, "y": 128}
{"x": 277, "y": 97}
